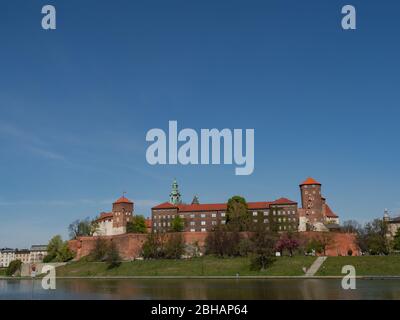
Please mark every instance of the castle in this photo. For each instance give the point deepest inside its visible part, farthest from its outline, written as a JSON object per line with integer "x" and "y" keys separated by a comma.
{"x": 314, "y": 215}
{"x": 115, "y": 222}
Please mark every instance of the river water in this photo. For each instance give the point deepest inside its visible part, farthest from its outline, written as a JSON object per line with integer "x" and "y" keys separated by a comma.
{"x": 229, "y": 289}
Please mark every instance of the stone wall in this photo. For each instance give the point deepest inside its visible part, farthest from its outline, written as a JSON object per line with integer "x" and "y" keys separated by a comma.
{"x": 129, "y": 245}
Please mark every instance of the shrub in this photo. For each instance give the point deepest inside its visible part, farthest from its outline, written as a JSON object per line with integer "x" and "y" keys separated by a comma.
{"x": 174, "y": 247}
{"x": 13, "y": 267}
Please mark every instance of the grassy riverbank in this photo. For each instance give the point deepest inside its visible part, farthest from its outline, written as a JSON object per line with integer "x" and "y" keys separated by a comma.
{"x": 365, "y": 266}
{"x": 212, "y": 266}
{"x": 3, "y": 272}
{"x": 206, "y": 266}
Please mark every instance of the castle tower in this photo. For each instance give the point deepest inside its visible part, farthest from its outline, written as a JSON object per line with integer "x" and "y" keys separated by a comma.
{"x": 311, "y": 200}
{"x": 122, "y": 213}
{"x": 175, "y": 196}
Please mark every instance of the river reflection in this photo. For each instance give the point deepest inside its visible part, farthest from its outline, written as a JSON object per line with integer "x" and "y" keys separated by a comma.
{"x": 229, "y": 289}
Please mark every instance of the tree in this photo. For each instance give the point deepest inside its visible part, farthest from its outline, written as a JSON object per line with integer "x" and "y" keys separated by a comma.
{"x": 177, "y": 224}
{"x": 351, "y": 226}
{"x": 153, "y": 246}
{"x": 287, "y": 242}
{"x": 325, "y": 239}
{"x": 137, "y": 225}
{"x": 223, "y": 242}
{"x": 237, "y": 214}
{"x": 13, "y": 267}
{"x": 99, "y": 251}
{"x": 174, "y": 247}
{"x": 396, "y": 240}
{"x": 113, "y": 258}
{"x": 82, "y": 228}
{"x": 58, "y": 250}
{"x": 263, "y": 243}
{"x": 372, "y": 238}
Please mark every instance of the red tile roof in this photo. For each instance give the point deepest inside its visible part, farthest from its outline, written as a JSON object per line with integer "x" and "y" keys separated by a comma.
{"x": 329, "y": 213}
{"x": 105, "y": 216}
{"x": 220, "y": 206}
{"x": 283, "y": 201}
{"x": 309, "y": 181}
{"x": 123, "y": 200}
{"x": 165, "y": 205}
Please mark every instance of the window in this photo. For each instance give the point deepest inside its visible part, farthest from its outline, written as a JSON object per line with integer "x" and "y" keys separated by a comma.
{"x": 181, "y": 215}
{"x": 255, "y": 220}
{"x": 255, "y": 213}
{"x": 203, "y": 215}
{"x": 203, "y": 229}
{"x": 213, "y": 222}
{"x": 266, "y": 220}
{"x": 192, "y": 223}
{"x": 266, "y": 213}
{"x": 214, "y": 215}
{"x": 192, "y": 215}
{"x": 203, "y": 223}
{"x": 223, "y": 222}
{"x": 192, "y": 230}
{"x": 222, "y": 214}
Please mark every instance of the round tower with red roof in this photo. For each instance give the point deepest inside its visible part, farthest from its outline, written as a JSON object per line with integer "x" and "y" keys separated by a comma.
{"x": 311, "y": 200}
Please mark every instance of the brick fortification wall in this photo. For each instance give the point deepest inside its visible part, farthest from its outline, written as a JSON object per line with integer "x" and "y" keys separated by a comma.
{"x": 129, "y": 245}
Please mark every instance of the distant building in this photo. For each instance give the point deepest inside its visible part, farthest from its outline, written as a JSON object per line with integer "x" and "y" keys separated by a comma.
{"x": 6, "y": 256}
{"x": 23, "y": 255}
{"x": 315, "y": 214}
{"x": 37, "y": 253}
{"x": 393, "y": 224}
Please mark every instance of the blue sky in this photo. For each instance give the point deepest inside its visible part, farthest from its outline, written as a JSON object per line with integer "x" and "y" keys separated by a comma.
{"x": 76, "y": 104}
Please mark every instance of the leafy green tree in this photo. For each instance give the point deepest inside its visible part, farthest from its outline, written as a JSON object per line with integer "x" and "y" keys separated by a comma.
{"x": 82, "y": 228}
{"x": 137, "y": 225}
{"x": 13, "y": 267}
{"x": 58, "y": 250}
{"x": 237, "y": 215}
{"x": 372, "y": 238}
{"x": 177, "y": 224}
{"x": 396, "y": 240}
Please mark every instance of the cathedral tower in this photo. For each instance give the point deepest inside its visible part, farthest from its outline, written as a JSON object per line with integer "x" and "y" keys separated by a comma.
{"x": 175, "y": 196}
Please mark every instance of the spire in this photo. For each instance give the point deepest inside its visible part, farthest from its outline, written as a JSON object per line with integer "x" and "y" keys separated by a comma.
{"x": 195, "y": 200}
{"x": 175, "y": 196}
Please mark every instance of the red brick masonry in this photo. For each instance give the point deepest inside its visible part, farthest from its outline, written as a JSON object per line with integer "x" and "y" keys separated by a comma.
{"x": 129, "y": 245}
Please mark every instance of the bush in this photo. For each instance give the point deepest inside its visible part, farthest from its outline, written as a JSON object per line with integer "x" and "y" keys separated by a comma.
{"x": 174, "y": 247}
{"x": 13, "y": 267}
